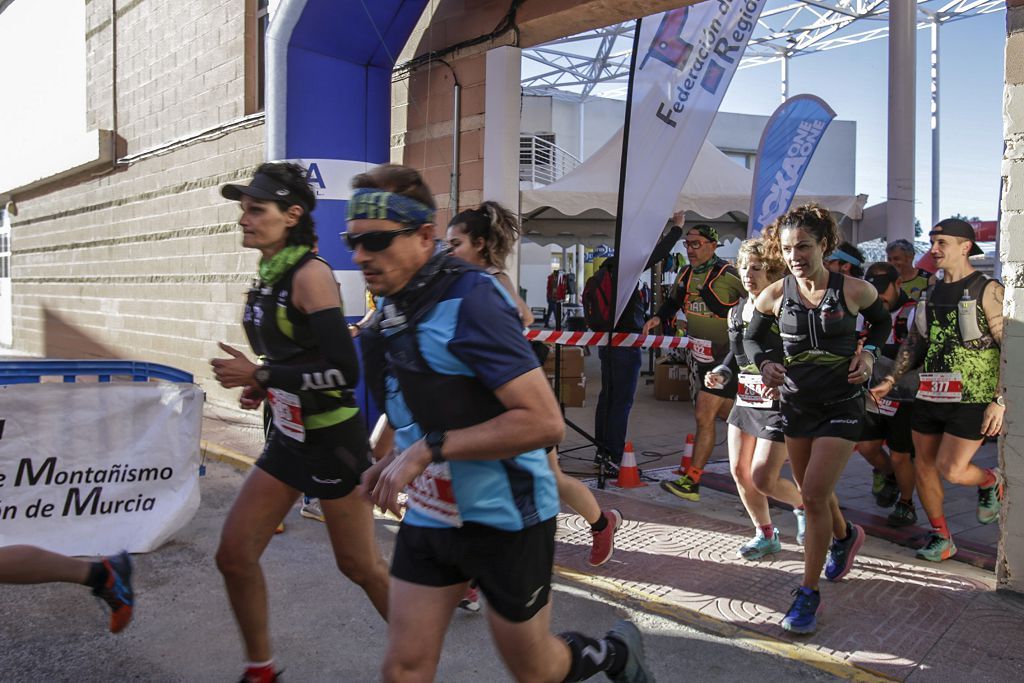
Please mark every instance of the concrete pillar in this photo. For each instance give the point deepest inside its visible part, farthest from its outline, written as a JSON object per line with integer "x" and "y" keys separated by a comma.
{"x": 501, "y": 134}
{"x": 899, "y": 212}
{"x": 1010, "y": 562}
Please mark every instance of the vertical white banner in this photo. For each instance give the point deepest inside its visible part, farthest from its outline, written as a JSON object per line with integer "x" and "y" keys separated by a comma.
{"x": 682, "y": 66}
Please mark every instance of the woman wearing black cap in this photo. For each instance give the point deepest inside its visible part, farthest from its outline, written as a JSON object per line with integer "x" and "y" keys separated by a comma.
{"x": 317, "y": 443}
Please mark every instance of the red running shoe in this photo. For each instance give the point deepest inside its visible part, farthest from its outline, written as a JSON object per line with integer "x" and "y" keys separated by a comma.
{"x": 604, "y": 540}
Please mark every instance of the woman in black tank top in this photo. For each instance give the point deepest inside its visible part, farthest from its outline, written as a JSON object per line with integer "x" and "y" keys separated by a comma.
{"x": 821, "y": 380}
{"x": 309, "y": 370}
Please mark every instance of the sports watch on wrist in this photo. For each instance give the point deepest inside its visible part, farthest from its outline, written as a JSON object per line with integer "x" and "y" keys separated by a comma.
{"x": 998, "y": 400}
{"x": 873, "y": 350}
{"x": 262, "y": 375}
{"x": 435, "y": 441}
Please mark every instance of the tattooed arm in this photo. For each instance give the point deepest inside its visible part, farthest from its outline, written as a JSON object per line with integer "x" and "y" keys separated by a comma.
{"x": 910, "y": 355}
{"x": 992, "y": 304}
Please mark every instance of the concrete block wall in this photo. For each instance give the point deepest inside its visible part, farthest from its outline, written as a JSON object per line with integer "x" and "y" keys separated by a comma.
{"x": 1010, "y": 566}
{"x": 144, "y": 262}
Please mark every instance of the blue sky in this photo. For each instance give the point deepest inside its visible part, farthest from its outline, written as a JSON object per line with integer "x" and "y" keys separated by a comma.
{"x": 853, "y": 80}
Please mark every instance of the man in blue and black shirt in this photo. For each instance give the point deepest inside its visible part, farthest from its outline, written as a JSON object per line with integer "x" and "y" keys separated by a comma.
{"x": 472, "y": 415}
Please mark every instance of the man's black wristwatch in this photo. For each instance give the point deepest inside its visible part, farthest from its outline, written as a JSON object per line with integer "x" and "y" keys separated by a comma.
{"x": 262, "y": 375}
{"x": 435, "y": 441}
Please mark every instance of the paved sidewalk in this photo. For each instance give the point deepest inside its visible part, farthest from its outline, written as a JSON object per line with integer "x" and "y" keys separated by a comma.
{"x": 896, "y": 618}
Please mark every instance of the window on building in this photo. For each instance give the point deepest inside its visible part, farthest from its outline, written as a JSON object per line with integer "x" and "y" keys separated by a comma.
{"x": 257, "y": 20}
{"x": 744, "y": 159}
{"x": 5, "y": 246}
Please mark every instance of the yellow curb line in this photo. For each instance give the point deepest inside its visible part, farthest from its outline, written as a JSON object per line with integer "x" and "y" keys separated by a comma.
{"x": 803, "y": 653}
{"x": 213, "y": 451}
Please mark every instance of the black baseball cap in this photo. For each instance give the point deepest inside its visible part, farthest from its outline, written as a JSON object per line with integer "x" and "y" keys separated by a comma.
{"x": 954, "y": 227}
{"x": 880, "y": 277}
{"x": 265, "y": 187}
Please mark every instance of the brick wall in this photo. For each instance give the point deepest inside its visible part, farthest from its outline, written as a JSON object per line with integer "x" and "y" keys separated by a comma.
{"x": 1010, "y": 569}
{"x": 144, "y": 262}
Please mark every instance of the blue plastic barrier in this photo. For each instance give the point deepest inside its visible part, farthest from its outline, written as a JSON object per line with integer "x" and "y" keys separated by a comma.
{"x": 32, "y": 371}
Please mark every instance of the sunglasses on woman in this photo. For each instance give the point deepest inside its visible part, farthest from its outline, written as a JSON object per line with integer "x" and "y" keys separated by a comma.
{"x": 378, "y": 240}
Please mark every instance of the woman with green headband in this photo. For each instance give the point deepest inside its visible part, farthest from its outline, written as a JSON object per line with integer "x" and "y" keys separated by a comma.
{"x": 317, "y": 443}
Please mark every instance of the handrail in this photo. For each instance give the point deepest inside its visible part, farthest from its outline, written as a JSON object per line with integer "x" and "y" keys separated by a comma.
{"x": 32, "y": 371}
{"x": 543, "y": 162}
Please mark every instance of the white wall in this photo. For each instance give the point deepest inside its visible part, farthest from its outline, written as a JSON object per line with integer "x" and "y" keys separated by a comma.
{"x": 42, "y": 68}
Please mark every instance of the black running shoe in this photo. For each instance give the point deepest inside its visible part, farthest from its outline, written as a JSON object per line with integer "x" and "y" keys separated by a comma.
{"x": 635, "y": 670}
{"x": 903, "y": 514}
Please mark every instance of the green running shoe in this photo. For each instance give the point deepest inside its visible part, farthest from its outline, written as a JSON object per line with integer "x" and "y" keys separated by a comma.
{"x": 990, "y": 500}
{"x": 877, "y": 482}
{"x": 759, "y": 546}
{"x": 937, "y": 549}
{"x": 684, "y": 487}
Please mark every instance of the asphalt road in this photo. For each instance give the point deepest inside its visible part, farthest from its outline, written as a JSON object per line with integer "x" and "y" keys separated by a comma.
{"x": 323, "y": 627}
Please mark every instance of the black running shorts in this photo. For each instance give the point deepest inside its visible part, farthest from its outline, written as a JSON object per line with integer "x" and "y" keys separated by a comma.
{"x": 841, "y": 419}
{"x": 512, "y": 568}
{"x": 894, "y": 429}
{"x": 727, "y": 391}
{"x": 763, "y": 423}
{"x": 959, "y": 419}
{"x": 327, "y": 465}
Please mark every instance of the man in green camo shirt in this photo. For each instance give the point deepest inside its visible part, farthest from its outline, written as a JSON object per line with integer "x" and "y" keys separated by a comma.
{"x": 705, "y": 291}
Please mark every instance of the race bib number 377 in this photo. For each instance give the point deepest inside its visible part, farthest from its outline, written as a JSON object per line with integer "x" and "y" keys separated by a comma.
{"x": 941, "y": 387}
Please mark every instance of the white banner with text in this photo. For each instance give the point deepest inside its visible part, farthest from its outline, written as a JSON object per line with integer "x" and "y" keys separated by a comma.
{"x": 91, "y": 469}
{"x": 684, "y": 61}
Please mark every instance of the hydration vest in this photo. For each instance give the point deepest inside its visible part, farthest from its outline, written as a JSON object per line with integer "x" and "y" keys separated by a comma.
{"x": 391, "y": 346}
{"x": 707, "y": 295}
{"x": 281, "y": 333}
{"x": 818, "y": 344}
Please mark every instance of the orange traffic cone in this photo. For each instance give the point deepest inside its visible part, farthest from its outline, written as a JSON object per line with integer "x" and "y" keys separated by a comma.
{"x": 629, "y": 475}
{"x": 687, "y": 459}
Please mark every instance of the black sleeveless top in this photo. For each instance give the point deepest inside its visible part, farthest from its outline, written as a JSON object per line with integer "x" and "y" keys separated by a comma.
{"x": 280, "y": 333}
{"x": 818, "y": 344}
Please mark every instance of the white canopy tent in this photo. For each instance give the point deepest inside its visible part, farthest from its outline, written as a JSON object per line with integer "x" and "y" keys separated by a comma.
{"x": 579, "y": 207}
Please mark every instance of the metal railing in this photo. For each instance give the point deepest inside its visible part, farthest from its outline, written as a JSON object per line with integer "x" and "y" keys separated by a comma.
{"x": 543, "y": 162}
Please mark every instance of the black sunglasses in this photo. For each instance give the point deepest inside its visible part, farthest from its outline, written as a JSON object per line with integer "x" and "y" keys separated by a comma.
{"x": 378, "y": 240}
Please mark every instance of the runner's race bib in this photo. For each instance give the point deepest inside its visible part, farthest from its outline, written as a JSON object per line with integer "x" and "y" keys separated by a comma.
{"x": 940, "y": 387}
{"x": 701, "y": 350}
{"x": 286, "y": 410}
{"x": 749, "y": 394}
{"x": 888, "y": 407}
{"x": 431, "y": 494}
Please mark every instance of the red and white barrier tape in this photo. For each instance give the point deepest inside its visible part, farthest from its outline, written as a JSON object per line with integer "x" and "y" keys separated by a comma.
{"x": 642, "y": 341}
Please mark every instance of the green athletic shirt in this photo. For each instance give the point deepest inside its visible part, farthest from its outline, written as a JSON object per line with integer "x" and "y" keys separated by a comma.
{"x": 917, "y": 284}
{"x": 977, "y": 361}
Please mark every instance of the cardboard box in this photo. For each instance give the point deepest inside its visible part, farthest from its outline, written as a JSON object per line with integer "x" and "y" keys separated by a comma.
{"x": 572, "y": 361}
{"x": 671, "y": 382}
{"x": 574, "y": 391}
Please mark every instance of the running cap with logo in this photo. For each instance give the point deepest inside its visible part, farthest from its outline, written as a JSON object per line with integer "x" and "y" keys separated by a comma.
{"x": 706, "y": 230}
{"x": 954, "y": 227}
{"x": 881, "y": 275}
{"x": 266, "y": 188}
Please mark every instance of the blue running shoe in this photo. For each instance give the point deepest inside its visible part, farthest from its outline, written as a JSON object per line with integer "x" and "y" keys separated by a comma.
{"x": 759, "y": 546}
{"x": 841, "y": 553}
{"x": 801, "y": 525}
{"x": 117, "y": 590}
{"x": 802, "y": 614}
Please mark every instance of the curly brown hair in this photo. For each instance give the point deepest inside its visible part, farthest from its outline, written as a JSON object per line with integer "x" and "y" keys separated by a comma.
{"x": 811, "y": 218}
{"x": 759, "y": 248}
